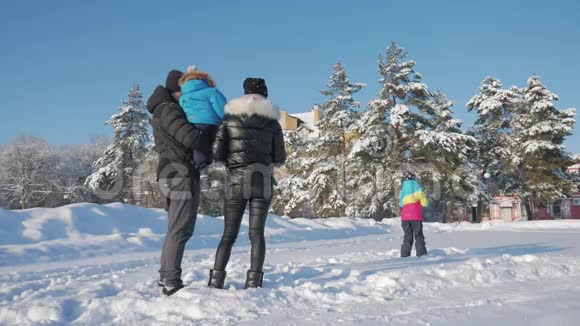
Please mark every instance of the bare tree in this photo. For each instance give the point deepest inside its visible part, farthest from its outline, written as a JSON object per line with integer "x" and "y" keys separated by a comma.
{"x": 28, "y": 172}
{"x": 75, "y": 164}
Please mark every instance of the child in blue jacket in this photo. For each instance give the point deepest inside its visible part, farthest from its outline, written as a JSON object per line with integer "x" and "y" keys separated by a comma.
{"x": 203, "y": 105}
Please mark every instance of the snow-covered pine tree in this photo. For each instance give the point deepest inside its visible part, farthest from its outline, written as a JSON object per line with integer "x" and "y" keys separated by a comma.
{"x": 369, "y": 182}
{"x": 492, "y": 130}
{"x": 402, "y": 90}
{"x": 326, "y": 180}
{"x": 446, "y": 150}
{"x": 421, "y": 128}
{"x": 113, "y": 179}
{"x": 291, "y": 196}
{"x": 538, "y": 154}
{"x": 370, "y": 192}
{"x": 212, "y": 199}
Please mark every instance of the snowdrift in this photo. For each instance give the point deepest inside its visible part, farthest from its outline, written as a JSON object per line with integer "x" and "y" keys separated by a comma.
{"x": 87, "y": 264}
{"x": 523, "y": 226}
{"x": 89, "y": 230}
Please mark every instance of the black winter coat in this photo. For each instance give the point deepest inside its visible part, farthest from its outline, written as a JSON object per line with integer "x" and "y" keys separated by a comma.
{"x": 249, "y": 140}
{"x": 175, "y": 137}
{"x": 250, "y": 134}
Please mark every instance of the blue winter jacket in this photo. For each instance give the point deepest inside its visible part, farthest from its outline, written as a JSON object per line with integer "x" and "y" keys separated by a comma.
{"x": 201, "y": 103}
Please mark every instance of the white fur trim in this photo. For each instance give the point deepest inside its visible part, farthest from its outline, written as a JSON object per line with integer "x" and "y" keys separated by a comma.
{"x": 253, "y": 105}
{"x": 192, "y": 68}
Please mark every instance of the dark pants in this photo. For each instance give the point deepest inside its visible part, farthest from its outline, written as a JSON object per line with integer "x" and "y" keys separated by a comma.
{"x": 413, "y": 229}
{"x": 235, "y": 205}
{"x": 203, "y": 160}
{"x": 181, "y": 200}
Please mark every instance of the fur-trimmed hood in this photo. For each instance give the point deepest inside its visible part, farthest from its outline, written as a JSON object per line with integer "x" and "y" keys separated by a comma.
{"x": 252, "y": 104}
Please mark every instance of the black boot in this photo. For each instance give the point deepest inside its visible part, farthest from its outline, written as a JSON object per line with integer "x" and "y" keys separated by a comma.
{"x": 170, "y": 290}
{"x": 254, "y": 279}
{"x": 216, "y": 279}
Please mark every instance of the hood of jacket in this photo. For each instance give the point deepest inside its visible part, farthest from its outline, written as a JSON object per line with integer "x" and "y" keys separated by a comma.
{"x": 252, "y": 105}
{"x": 251, "y": 111}
{"x": 160, "y": 95}
{"x": 193, "y": 85}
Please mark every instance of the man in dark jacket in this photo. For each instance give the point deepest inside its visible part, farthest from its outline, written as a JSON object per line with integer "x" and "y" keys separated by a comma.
{"x": 250, "y": 142}
{"x": 175, "y": 141}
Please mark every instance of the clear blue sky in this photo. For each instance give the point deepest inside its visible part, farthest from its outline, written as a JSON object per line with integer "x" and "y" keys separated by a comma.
{"x": 66, "y": 65}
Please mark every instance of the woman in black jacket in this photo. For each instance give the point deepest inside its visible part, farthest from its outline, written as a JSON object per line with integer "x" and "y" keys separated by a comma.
{"x": 250, "y": 142}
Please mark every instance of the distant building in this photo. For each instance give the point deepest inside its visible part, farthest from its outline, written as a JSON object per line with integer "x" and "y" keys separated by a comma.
{"x": 304, "y": 123}
{"x": 506, "y": 208}
{"x": 574, "y": 169}
{"x": 511, "y": 208}
{"x": 563, "y": 208}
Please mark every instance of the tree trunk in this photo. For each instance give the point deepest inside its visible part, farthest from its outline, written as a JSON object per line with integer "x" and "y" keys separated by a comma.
{"x": 343, "y": 168}
{"x": 479, "y": 213}
{"x": 528, "y": 205}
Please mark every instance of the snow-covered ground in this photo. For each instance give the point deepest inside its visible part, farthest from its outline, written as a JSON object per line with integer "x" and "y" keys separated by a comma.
{"x": 91, "y": 264}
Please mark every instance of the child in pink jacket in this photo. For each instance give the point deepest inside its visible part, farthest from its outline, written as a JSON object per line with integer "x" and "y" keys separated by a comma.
{"x": 412, "y": 199}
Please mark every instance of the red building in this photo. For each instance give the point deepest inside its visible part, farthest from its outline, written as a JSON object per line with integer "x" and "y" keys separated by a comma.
{"x": 511, "y": 208}
{"x": 574, "y": 169}
{"x": 563, "y": 208}
{"x": 506, "y": 208}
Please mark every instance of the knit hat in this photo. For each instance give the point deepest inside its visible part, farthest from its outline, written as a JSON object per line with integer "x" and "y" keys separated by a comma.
{"x": 255, "y": 86}
{"x": 172, "y": 82}
{"x": 408, "y": 175}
